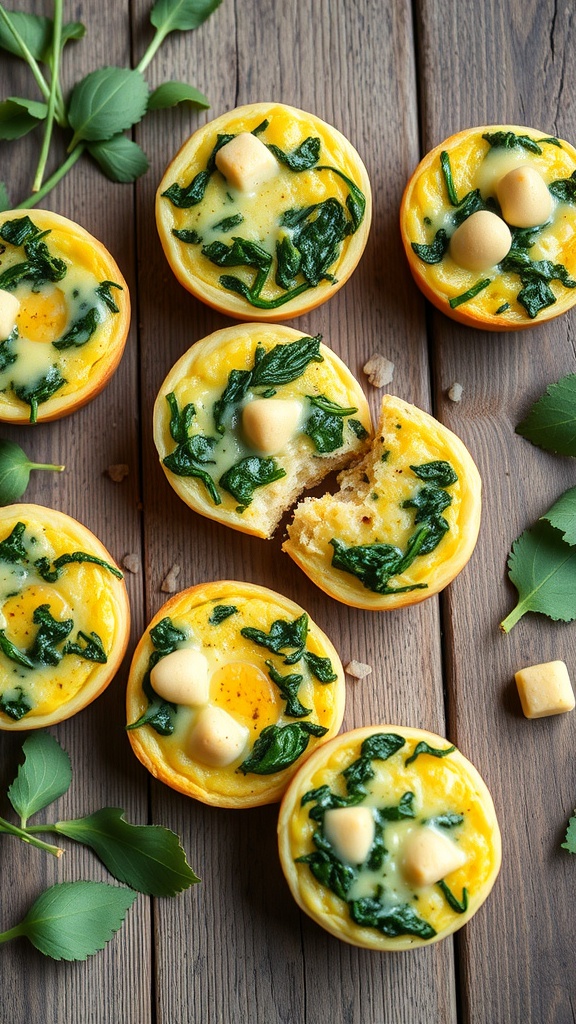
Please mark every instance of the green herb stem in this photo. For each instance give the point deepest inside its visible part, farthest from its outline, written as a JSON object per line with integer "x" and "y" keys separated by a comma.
{"x": 30, "y": 60}
{"x": 53, "y": 97}
{"x": 511, "y": 619}
{"x": 53, "y": 180}
{"x": 154, "y": 46}
{"x": 45, "y": 465}
{"x": 13, "y": 933}
{"x": 26, "y": 836}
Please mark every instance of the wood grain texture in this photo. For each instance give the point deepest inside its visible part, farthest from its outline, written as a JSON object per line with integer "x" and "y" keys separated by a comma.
{"x": 396, "y": 78}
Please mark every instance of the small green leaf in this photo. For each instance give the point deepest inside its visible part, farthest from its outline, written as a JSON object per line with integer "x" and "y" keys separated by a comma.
{"x": 570, "y": 841}
{"x": 45, "y": 775}
{"x": 15, "y": 468}
{"x": 551, "y": 422}
{"x": 20, "y": 116}
{"x": 148, "y": 858}
{"x": 562, "y": 516}
{"x": 73, "y": 920}
{"x": 170, "y": 94}
{"x": 120, "y": 158}
{"x": 542, "y": 568}
{"x": 181, "y": 15}
{"x": 107, "y": 101}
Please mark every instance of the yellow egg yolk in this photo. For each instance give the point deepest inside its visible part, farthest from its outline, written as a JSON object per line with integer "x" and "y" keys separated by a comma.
{"x": 43, "y": 315}
{"x": 246, "y": 692}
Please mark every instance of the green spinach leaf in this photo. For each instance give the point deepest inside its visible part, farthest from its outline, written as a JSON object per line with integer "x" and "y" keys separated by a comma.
{"x": 279, "y": 746}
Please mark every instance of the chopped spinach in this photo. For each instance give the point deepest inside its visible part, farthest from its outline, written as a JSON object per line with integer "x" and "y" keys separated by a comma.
{"x": 535, "y": 275}
{"x": 18, "y": 231}
{"x": 193, "y": 453}
{"x": 53, "y": 571}
{"x": 245, "y": 476}
{"x": 564, "y": 189}
{"x": 321, "y": 668}
{"x": 425, "y": 748}
{"x": 7, "y": 355}
{"x": 193, "y": 193}
{"x": 221, "y": 612}
{"x": 436, "y": 250}
{"x": 13, "y": 653}
{"x": 80, "y": 332}
{"x": 103, "y": 290}
{"x": 12, "y": 548}
{"x": 188, "y": 235}
{"x": 52, "y": 631}
{"x": 15, "y": 707}
{"x": 358, "y": 429}
{"x": 438, "y": 472}
{"x": 509, "y": 140}
{"x": 471, "y": 293}
{"x": 325, "y": 424}
{"x": 448, "y": 820}
{"x": 40, "y": 266}
{"x": 371, "y": 912}
{"x": 373, "y": 564}
{"x": 91, "y": 648}
{"x": 228, "y": 223}
{"x": 289, "y": 686}
{"x": 279, "y": 746}
{"x": 302, "y": 158}
{"x": 39, "y": 392}
{"x": 159, "y": 714}
{"x": 284, "y": 633}
{"x": 288, "y": 262}
{"x": 458, "y": 906}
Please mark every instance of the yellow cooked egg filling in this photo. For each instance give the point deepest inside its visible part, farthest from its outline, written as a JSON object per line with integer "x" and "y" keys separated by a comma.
{"x": 58, "y": 620}
{"x": 66, "y": 316}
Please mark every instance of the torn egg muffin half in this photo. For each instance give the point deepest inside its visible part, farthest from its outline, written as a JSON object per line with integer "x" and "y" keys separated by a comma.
{"x": 231, "y": 686}
{"x": 404, "y": 522}
{"x": 64, "y": 316}
{"x": 252, "y": 415}
{"x": 488, "y": 223}
{"x": 264, "y": 213}
{"x": 64, "y": 617}
{"x": 388, "y": 838}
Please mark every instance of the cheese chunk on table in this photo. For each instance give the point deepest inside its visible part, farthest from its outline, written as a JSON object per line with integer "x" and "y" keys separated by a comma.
{"x": 545, "y": 689}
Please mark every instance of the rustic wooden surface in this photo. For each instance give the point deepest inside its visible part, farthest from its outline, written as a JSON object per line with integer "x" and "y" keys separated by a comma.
{"x": 396, "y": 78}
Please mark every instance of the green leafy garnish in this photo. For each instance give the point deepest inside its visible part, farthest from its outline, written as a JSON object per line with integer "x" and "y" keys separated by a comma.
{"x": 15, "y": 469}
{"x": 551, "y": 422}
{"x": 562, "y": 516}
{"x": 541, "y": 566}
{"x": 44, "y": 776}
{"x": 570, "y": 840}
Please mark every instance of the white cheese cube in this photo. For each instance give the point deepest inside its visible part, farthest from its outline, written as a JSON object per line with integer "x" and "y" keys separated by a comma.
{"x": 216, "y": 738}
{"x": 351, "y": 832}
{"x": 545, "y": 689}
{"x": 9, "y": 307}
{"x": 429, "y": 856}
{"x": 246, "y": 162}
{"x": 269, "y": 423}
{"x": 182, "y": 677}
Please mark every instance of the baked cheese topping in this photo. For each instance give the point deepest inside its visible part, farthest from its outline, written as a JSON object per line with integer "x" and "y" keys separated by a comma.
{"x": 395, "y": 839}
{"x": 525, "y": 181}
{"x": 231, "y": 689}
{"x": 63, "y": 317}
{"x": 58, "y": 620}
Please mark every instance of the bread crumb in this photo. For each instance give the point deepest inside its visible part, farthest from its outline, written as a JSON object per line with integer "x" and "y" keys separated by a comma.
{"x": 379, "y": 370}
{"x": 169, "y": 585}
{"x": 117, "y": 472}
{"x": 357, "y": 669}
{"x": 131, "y": 562}
{"x": 455, "y": 392}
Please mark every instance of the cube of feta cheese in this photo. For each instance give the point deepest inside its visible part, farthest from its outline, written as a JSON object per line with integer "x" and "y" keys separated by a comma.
{"x": 9, "y": 306}
{"x": 545, "y": 689}
{"x": 246, "y": 162}
{"x": 428, "y": 856}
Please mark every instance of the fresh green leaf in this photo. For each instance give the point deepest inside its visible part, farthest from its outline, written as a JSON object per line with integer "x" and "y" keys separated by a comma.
{"x": 542, "y": 567}
{"x": 73, "y": 920}
{"x": 44, "y": 776}
{"x": 34, "y": 29}
{"x": 551, "y": 422}
{"x": 279, "y": 746}
{"x": 107, "y": 101}
{"x": 15, "y": 468}
{"x": 562, "y": 516}
{"x": 170, "y": 94}
{"x": 570, "y": 840}
{"x": 181, "y": 15}
{"x": 119, "y": 158}
{"x": 148, "y": 858}
{"x": 20, "y": 116}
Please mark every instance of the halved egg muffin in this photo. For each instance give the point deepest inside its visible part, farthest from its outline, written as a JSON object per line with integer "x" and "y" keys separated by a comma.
{"x": 264, "y": 212}
{"x": 252, "y": 415}
{"x": 64, "y": 617}
{"x": 64, "y": 316}
{"x": 404, "y": 522}
{"x": 388, "y": 838}
{"x": 231, "y": 686}
{"x": 488, "y": 222}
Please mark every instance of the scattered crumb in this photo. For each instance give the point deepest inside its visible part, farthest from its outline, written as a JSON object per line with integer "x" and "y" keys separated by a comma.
{"x": 379, "y": 370}
{"x": 455, "y": 392}
{"x": 131, "y": 562}
{"x": 357, "y": 669}
{"x": 169, "y": 585}
{"x": 118, "y": 472}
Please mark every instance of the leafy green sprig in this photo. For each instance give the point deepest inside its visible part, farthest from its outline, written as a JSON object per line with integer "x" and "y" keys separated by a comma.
{"x": 72, "y": 920}
{"x": 15, "y": 469}
{"x": 102, "y": 106}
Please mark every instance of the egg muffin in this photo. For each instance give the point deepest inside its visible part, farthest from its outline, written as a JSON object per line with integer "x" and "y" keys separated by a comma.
{"x": 64, "y": 316}
{"x": 64, "y": 617}
{"x": 264, "y": 213}
{"x": 231, "y": 687}
{"x": 388, "y": 838}
{"x": 488, "y": 222}
{"x": 404, "y": 522}
{"x": 252, "y": 415}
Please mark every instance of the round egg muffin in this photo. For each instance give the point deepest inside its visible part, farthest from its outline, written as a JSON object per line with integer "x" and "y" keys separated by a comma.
{"x": 488, "y": 222}
{"x": 252, "y": 415}
{"x": 404, "y": 522}
{"x": 265, "y": 212}
{"x": 388, "y": 838}
{"x": 64, "y": 316}
{"x": 231, "y": 686}
{"x": 64, "y": 617}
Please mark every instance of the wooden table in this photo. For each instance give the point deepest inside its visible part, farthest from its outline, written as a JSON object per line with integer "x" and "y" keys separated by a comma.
{"x": 397, "y": 78}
